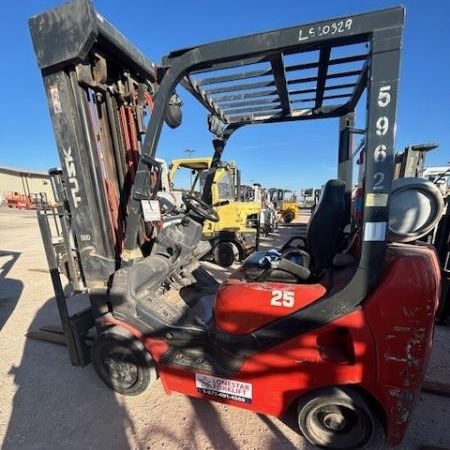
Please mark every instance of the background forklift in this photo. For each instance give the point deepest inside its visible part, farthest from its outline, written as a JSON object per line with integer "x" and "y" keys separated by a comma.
{"x": 285, "y": 203}
{"x": 337, "y": 324}
{"x": 235, "y": 235}
{"x": 268, "y": 221}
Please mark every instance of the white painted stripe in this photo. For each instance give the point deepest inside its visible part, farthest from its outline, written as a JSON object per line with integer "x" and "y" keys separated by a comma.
{"x": 375, "y": 231}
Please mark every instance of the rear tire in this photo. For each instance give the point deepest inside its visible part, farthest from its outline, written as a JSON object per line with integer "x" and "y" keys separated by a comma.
{"x": 122, "y": 362}
{"x": 336, "y": 418}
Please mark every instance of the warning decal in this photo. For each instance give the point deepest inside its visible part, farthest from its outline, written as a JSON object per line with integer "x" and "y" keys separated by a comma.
{"x": 56, "y": 102}
{"x": 224, "y": 388}
{"x": 151, "y": 211}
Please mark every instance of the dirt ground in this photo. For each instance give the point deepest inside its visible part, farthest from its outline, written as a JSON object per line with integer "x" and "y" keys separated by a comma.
{"x": 45, "y": 403}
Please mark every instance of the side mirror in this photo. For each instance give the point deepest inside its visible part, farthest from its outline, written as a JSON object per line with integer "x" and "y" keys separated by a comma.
{"x": 174, "y": 114}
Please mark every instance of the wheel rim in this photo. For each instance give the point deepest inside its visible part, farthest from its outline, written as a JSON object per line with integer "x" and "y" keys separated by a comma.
{"x": 120, "y": 367}
{"x": 340, "y": 425}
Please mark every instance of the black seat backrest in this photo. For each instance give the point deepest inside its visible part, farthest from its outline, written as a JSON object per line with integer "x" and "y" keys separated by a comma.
{"x": 325, "y": 228}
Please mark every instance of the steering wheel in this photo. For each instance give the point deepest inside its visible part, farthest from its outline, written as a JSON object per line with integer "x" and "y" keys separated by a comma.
{"x": 199, "y": 207}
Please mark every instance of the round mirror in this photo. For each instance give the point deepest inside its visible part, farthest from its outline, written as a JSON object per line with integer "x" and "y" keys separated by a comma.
{"x": 174, "y": 114}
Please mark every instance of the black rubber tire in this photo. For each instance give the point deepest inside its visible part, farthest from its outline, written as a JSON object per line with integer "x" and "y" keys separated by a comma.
{"x": 336, "y": 418}
{"x": 122, "y": 362}
{"x": 225, "y": 254}
{"x": 288, "y": 217}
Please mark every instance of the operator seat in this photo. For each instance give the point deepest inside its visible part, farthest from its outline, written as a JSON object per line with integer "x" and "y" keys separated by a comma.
{"x": 308, "y": 260}
{"x": 324, "y": 232}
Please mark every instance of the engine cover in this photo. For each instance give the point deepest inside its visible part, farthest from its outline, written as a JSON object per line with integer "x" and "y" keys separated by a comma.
{"x": 242, "y": 307}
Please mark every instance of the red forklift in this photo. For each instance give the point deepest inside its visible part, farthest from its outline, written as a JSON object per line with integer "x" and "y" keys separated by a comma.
{"x": 337, "y": 323}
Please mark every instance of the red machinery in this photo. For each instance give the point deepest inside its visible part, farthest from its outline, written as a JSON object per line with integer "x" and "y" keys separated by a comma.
{"x": 19, "y": 201}
{"x": 338, "y": 322}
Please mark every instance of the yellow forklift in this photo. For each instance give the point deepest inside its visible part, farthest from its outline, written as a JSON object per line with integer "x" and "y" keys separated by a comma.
{"x": 285, "y": 203}
{"x": 235, "y": 235}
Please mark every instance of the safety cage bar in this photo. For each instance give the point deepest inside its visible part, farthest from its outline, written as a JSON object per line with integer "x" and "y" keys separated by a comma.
{"x": 310, "y": 71}
{"x": 361, "y": 52}
{"x": 275, "y": 89}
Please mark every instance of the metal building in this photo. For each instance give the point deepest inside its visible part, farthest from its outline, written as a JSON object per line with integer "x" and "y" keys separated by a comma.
{"x": 25, "y": 182}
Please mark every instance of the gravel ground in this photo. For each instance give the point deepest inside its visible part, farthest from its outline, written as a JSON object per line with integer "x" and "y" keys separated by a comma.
{"x": 45, "y": 403}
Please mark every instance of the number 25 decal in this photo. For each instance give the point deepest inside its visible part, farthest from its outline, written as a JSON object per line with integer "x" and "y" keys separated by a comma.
{"x": 282, "y": 298}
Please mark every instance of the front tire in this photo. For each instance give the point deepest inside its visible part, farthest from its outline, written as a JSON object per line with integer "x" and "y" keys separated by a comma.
{"x": 288, "y": 217}
{"x": 336, "y": 418}
{"x": 122, "y": 362}
{"x": 225, "y": 254}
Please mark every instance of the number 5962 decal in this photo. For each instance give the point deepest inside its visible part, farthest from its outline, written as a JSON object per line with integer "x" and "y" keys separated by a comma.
{"x": 283, "y": 298}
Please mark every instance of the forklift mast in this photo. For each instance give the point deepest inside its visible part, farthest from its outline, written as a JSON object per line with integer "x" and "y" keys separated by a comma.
{"x": 411, "y": 163}
{"x": 99, "y": 89}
